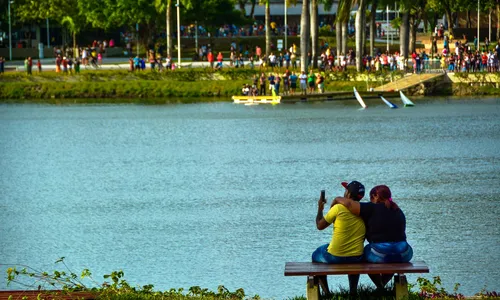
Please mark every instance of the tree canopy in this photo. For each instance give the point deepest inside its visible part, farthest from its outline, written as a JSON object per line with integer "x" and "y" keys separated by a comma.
{"x": 109, "y": 14}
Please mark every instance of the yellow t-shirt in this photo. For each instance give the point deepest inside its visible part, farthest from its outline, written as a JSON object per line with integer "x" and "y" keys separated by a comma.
{"x": 348, "y": 232}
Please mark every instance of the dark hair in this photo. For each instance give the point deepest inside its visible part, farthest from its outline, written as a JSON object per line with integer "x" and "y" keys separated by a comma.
{"x": 384, "y": 194}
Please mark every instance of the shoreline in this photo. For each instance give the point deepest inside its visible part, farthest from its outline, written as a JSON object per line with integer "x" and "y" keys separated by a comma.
{"x": 190, "y": 85}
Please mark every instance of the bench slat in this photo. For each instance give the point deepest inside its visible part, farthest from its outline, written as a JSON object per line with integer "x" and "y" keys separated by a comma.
{"x": 310, "y": 268}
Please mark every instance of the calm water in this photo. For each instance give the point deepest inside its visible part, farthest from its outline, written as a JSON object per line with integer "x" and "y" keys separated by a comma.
{"x": 210, "y": 194}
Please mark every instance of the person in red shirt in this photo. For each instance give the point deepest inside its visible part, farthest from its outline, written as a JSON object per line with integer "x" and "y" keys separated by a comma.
{"x": 210, "y": 58}
{"x": 484, "y": 61}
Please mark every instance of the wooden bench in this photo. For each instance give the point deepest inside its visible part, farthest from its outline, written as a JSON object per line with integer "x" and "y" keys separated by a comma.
{"x": 313, "y": 270}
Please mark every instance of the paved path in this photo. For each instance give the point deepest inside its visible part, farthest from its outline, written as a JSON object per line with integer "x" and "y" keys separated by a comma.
{"x": 408, "y": 81}
{"x": 108, "y": 64}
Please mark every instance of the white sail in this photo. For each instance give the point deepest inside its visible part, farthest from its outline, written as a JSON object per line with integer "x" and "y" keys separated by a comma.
{"x": 406, "y": 101}
{"x": 358, "y": 97}
{"x": 389, "y": 103}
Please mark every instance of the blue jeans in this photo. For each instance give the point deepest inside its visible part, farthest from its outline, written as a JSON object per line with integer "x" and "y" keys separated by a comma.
{"x": 322, "y": 255}
{"x": 394, "y": 252}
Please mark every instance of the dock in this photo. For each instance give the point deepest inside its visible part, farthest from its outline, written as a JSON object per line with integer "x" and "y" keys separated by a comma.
{"x": 409, "y": 81}
{"x": 315, "y": 97}
{"x": 332, "y": 96}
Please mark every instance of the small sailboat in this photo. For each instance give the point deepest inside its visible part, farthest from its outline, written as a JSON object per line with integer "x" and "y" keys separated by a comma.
{"x": 406, "y": 101}
{"x": 358, "y": 97}
{"x": 389, "y": 103}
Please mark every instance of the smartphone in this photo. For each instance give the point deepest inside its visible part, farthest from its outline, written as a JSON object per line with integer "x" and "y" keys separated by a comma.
{"x": 323, "y": 195}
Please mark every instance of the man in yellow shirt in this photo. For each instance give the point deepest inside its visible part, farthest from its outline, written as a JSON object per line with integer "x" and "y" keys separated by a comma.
{"x": 346, "y": 245}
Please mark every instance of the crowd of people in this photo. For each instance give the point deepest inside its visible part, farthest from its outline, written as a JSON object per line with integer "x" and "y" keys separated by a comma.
{"x": 289, "y": 80}
{"x": 465, "y": 57}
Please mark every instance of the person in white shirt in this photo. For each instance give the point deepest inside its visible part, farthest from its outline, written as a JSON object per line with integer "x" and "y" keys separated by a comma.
{"x": 272, "y": 60}
{"x": 303, "y": 83}
{"x": 245, "y": 90}
{"x": 84, "y": 56}
{"x": 391, "y": 62}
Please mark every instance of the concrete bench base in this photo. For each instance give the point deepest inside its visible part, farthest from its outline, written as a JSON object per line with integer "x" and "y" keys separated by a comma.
{"x": 314, "y": 270}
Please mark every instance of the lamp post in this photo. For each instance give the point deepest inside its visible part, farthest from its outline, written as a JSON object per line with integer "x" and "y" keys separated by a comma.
{"x": 387, "y": 31}
{"x": 178, "y": 34}
{"x": 10, "y": 31}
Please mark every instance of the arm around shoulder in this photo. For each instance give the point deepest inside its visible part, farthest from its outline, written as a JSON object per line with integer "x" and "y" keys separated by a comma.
{"x": 351, "y": 205}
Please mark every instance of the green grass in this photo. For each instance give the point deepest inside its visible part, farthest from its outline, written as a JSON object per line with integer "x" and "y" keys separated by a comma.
{"x": 184, "y": 85}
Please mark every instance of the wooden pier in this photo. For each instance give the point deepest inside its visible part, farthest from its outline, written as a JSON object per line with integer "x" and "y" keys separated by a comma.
{"x": 332, "y": 96}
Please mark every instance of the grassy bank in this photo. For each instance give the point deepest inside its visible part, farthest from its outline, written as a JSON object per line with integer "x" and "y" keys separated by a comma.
{"x": 185, "y": 85}
{"x": 113, "y": 86}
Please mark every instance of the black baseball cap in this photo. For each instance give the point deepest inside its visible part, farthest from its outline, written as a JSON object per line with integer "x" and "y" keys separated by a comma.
{"x": 355, "y": 188}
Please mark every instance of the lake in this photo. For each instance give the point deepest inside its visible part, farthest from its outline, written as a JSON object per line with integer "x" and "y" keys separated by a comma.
{"x": 224, "y": 194}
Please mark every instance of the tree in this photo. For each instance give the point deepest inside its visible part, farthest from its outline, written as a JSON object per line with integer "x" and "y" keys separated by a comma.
{"x": 63, "y": 11}
{"x": 360, "y": 28}
{"x": 252, "y": 10}
{"x": 404, "y": 31}
{"x": 242, "y": 4}
{"x": 498, "y": 19}
{"x": 373, "y": 13}
{"x": 343, "y": 16}
{"x": 417, "y": 10}
{"x": 72, "y": 26}
{"x": 448, "y": 7}
{"x": 268, "y": 29}
{"x": 314, "y": 33}
{"x": 304, "y": 35}
{"x": 166, "y": 6}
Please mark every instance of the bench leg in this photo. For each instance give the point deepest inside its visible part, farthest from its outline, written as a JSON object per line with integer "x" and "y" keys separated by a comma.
{"x": 312, "y": 288}
{"x": 401, "y": 286}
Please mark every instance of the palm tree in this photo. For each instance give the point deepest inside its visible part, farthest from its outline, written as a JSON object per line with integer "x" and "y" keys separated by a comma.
{"x": 373, "y": 14}
{"x": 304, "y": 35}
{"x": 404, "y": 32}
{"x": 267, "y": 27}
{"x": 314, "y": 33}
{"x": 343, "y": 15}
{"x": 168, "y": 28}
{"x": 360, "y": 28}
{"x": 166, "y": 5}
{"x": 498, "y": 19}
{"x": 72, "y": 26}
{"x": 327, "y": 4}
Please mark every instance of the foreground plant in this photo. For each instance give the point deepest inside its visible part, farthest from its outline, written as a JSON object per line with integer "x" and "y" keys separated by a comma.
{"x": 115, "y": 288}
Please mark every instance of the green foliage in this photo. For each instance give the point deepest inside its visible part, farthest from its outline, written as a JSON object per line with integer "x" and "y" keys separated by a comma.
{"x": 396, "y": 23}
{"x": 326, "y": 31}
{"x": 117, "y": 289}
